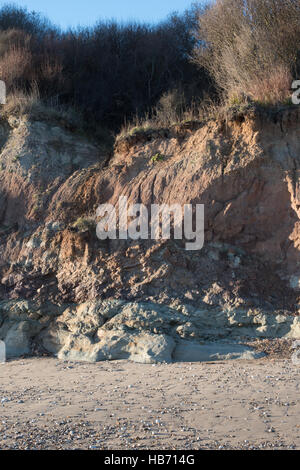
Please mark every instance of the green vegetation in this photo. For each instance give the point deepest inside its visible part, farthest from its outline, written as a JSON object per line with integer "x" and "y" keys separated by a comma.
{"x": 85, "y": 224}
{"x": 158, "y": 157}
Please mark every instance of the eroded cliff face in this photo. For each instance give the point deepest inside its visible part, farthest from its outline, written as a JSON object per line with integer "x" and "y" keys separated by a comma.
{"x": 246, "y": 173}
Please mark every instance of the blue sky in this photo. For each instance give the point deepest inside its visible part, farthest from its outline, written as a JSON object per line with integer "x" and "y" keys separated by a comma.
{"x": 86, "y": 12}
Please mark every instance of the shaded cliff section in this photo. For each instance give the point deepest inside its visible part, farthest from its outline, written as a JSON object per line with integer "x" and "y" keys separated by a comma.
{"x": 245, "y": 170}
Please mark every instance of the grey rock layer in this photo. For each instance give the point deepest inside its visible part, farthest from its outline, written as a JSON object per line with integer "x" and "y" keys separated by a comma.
{"x": 141, "y": 332}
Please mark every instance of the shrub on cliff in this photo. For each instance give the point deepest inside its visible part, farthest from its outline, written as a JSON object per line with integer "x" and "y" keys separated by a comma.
{"x": 250, "y": 47}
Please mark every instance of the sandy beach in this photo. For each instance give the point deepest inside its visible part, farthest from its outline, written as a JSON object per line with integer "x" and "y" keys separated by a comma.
{"x": 47, "y": 404}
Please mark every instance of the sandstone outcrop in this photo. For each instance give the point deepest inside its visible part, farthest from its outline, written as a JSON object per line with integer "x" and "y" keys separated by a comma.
{"x": 68, "y": 293}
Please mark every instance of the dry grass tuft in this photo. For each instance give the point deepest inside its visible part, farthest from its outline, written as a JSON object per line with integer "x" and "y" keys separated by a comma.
{"x": 20, "y": 104}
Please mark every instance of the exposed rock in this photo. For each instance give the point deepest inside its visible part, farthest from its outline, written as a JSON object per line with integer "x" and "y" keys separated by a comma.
{"x": 136, "y": 346}
{"x": 142, "y": 332}
{"x": 246, "y": 174}
{"x": 188, "y": 351}
{"x": 21, "y": 322}
{"x": 18, "y": 338}
{"x": 243, "y": 283}
{"x": 2, "y": 352}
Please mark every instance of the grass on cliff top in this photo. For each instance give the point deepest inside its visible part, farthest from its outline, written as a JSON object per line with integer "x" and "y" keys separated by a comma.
{"x": 171, "y": 112}
{"x": 231, "y": 108}
{"x": 20, "y": 104}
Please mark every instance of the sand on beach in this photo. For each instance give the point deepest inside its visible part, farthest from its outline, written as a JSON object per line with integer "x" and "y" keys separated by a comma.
{"x": 47, "y": 404}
